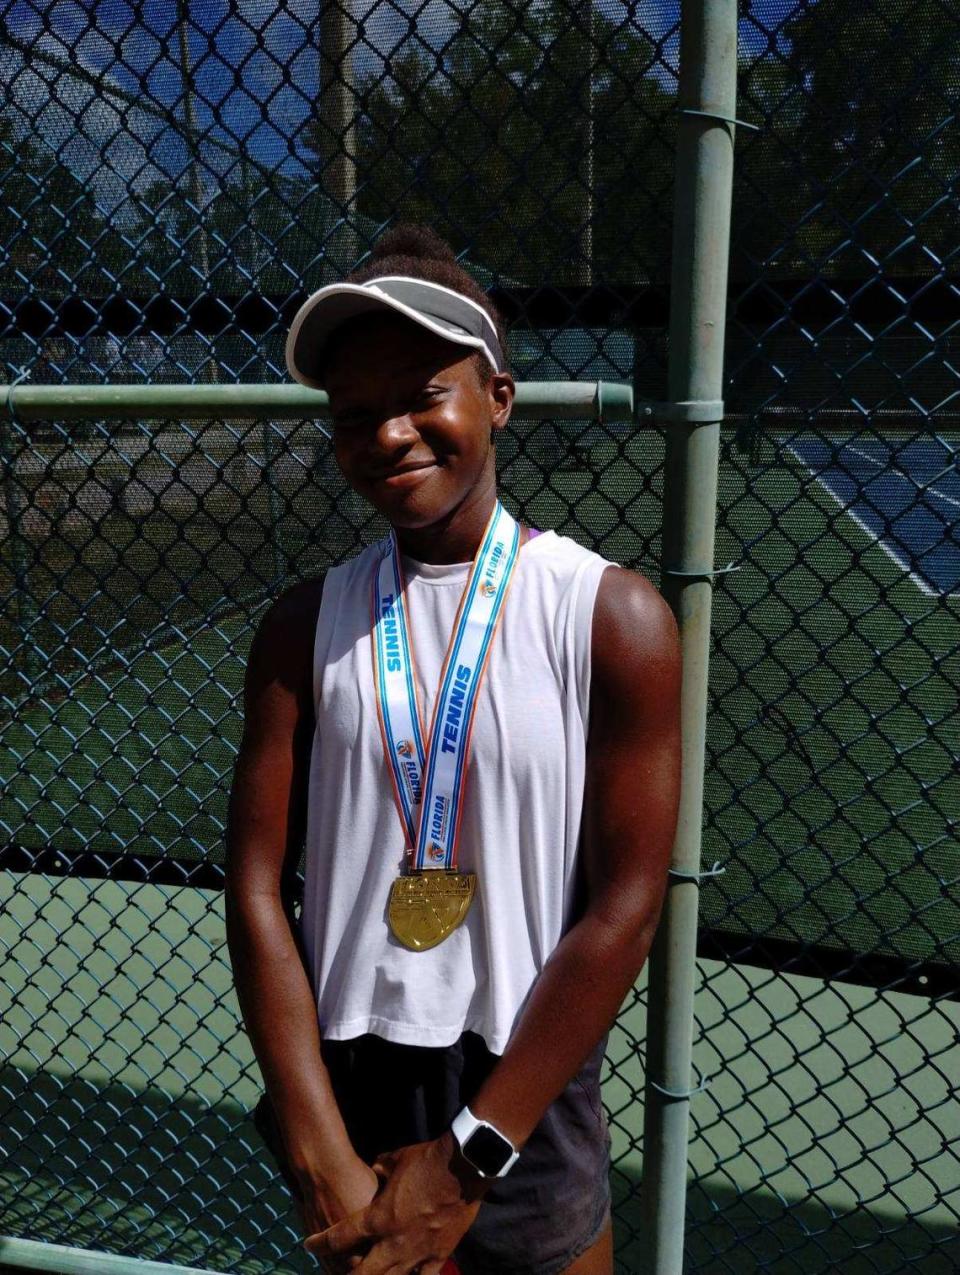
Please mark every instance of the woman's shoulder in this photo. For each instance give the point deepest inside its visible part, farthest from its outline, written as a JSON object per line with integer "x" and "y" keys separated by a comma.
{"x": 357, "y": 566}
{"x": 614, "y": 605}
{"x": 635, "y": 637}
{"x": 287, "y": 625}
{"x": 291, "y": 619}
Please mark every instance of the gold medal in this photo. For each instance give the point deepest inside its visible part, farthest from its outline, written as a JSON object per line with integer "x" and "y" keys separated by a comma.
{"x": 428, "y": 769}
{"x": 425, "y": 907}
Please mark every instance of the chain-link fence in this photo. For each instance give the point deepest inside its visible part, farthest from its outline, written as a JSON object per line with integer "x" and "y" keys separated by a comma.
{"x": 176, "y": 177}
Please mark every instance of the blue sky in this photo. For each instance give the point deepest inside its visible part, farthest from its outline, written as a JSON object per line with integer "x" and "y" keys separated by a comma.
{"x": 255, "y": 72}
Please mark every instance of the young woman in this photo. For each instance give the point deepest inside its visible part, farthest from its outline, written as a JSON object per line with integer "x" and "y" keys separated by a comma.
{"x": 474, "y": 729}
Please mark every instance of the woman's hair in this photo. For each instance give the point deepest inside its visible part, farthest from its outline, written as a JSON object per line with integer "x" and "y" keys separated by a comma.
{"x": 419, "y": 252}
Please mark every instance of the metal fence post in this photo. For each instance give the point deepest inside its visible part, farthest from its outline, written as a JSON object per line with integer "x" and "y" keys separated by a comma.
{"x": 338, "y": 115}
{"x": 14, "y": 506}
{"x": 704, "y": 175}
{"x": 273, "y": 500}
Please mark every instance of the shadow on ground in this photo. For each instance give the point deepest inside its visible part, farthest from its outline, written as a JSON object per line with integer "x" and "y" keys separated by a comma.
{"x": 178, "y": 1180}
{"x": 138, "y": 1172}
{"x": 732, "y": 1232}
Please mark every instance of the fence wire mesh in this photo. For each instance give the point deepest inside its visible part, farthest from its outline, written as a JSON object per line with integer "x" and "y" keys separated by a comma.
{"x": 176, "y": 177}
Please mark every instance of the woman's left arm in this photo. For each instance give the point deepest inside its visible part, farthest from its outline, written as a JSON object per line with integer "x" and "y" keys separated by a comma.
{"x": 629, "y": 819}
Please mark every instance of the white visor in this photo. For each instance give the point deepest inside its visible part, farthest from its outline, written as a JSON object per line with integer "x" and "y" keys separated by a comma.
{"x": 441, "y": 310}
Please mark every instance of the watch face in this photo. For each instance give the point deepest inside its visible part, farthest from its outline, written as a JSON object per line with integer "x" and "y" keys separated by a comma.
{"x": 487, "y": 1151}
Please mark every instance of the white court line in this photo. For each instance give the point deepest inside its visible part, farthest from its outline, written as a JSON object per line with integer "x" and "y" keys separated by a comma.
{"x": 879, "y": 541}
{"x": 938, "y": 495}
{"x": 900, "y": 473}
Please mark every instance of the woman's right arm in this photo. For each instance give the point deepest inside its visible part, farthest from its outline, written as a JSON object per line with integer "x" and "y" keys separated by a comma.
{"x": 264, "y": 838}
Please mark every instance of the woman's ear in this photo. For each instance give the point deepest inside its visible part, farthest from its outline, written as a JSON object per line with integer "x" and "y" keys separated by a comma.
{"x": 502, "y": 390}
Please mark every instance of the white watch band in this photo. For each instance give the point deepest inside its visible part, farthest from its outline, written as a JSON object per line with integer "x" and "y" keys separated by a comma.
{"x": 464, "y": 1126}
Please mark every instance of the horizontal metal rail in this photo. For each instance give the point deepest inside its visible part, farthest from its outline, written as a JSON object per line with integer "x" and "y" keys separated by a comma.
{"x": 574, "y": 400}
{"x": 536, "y": 400}
{"x": 35, "y": 1255}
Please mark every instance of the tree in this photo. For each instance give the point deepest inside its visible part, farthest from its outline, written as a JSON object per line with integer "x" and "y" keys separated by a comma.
{"x": 485, "y": 138}
{"x": 53, "y": 237}
{"x": 262, "y": 232}
{"x": 864, "y": 125}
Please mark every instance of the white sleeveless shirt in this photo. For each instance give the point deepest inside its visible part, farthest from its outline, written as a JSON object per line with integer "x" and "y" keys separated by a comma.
{"x": 523, "y": 800}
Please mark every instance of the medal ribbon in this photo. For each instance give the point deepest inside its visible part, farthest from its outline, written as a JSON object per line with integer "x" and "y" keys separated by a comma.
{"x": 432, "y": 778}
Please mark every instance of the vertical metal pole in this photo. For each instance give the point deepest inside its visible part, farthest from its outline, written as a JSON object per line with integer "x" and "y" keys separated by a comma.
{"x": 587, "y": 165}
{"x": 20, "y": 554}
{"x": 338, "y": 110}
{"x": 704, "y": 178}
{"x": 196, "y": 182}
{"x": 273, "y": 501}
{"x": 190, "y": 128}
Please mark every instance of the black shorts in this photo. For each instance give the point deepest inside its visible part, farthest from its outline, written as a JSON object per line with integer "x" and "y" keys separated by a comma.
{"x": 552, "y": 1205}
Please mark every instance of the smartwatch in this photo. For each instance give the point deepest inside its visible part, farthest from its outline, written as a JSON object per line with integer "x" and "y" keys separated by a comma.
{"x": 482, "y": 1146}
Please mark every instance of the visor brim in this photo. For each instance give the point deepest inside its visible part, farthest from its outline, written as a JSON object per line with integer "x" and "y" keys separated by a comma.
{"x": 327, "y": 310}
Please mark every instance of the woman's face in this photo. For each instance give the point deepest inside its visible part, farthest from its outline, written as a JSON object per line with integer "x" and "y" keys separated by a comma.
{"x": 412, "y": 420}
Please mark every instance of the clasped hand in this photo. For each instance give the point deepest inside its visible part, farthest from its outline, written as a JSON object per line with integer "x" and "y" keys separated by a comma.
{"x": 425, "y": 1202}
